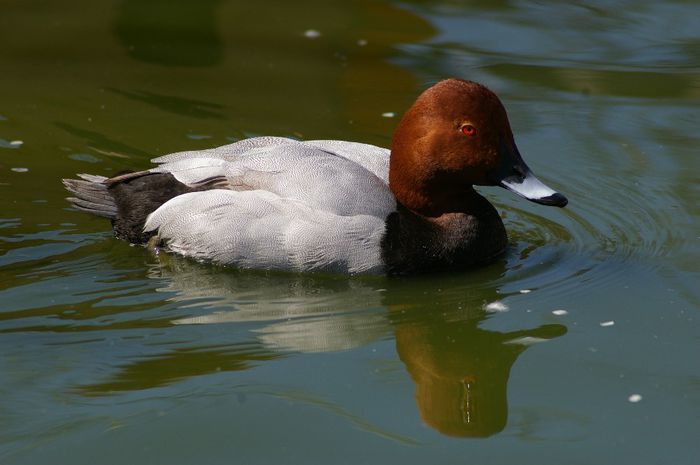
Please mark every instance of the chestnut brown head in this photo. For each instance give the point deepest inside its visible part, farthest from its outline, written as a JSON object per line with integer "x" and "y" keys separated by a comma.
{"x": 456, "y": 135}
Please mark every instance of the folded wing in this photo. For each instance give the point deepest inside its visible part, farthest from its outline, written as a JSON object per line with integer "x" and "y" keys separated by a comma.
{"x": 279, "y": 204}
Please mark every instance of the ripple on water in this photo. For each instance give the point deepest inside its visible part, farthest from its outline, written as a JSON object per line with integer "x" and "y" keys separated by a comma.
{"x": 10, "y": 144}
{"x": 610, "y": 222}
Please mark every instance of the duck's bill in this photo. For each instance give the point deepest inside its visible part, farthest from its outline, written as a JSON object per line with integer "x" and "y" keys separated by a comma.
{"x": 528, "y": 186}
{"x": 516, "y": 176}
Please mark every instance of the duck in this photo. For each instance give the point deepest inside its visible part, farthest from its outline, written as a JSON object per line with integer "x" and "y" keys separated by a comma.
{"x": 332, "y": 206}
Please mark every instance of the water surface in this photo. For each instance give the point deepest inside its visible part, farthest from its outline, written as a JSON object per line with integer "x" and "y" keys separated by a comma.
{"x": 579, "y": 346}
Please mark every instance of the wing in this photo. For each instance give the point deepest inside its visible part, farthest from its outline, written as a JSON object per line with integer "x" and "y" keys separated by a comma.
{"x": 228, "y": 152}
{"x": 259, "y": 229}
{"x": 373, "y": 158}
{"x": 338, "y": 177}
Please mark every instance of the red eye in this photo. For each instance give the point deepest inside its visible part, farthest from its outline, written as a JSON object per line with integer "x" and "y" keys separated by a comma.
{"x": 469, "y": 130}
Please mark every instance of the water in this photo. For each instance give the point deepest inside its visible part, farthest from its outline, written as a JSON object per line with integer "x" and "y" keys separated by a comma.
{"x": 113, "y": 355}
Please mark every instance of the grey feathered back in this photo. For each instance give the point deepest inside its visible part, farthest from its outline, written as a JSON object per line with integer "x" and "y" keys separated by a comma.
{"x": 288, "y": 205}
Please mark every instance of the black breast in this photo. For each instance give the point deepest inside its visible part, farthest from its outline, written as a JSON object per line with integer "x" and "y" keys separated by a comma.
{"x": 415, "y": 244}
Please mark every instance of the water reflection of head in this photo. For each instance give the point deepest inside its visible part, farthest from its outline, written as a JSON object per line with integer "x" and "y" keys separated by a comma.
{"x": 461, "y": 373}
{"x": 461, "y": 370}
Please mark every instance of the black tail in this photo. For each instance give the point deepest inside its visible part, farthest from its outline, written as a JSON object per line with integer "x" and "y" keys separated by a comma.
{"x": 127, "y": 199}
{"x": 92, "y": 195}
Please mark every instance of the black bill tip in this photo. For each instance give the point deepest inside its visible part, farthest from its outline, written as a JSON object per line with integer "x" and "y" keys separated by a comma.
{"x": 554, "y": 200}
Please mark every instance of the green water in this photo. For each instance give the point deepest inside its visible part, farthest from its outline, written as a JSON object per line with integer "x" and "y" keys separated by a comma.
{"x": 111, "y": 355}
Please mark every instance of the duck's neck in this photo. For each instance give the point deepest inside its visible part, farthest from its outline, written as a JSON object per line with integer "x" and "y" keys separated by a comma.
{"x": 429, "y": 240}
{"x": 428, "y": 191}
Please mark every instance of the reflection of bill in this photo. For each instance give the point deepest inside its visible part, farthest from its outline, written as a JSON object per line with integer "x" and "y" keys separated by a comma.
{"x": 461, "y": 372}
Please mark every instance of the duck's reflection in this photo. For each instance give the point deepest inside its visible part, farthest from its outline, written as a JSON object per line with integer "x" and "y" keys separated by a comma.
{"x": 302, "y": 313}
{"x": 460, "y": 370}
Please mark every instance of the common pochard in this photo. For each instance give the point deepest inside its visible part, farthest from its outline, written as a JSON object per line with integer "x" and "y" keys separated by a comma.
{"x": 333, "y": 206}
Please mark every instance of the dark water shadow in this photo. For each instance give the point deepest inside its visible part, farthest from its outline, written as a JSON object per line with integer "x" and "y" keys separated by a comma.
{"x": 628, "y": 83}
{"x": 173, "y": 104}
{"x": 101, "y": 143}
{"x": 181, "y": 363}
{"x": 170, "y": 32}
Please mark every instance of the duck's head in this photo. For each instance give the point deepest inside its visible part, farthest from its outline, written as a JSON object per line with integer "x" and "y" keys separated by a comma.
{"x": 454, "y": 136}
